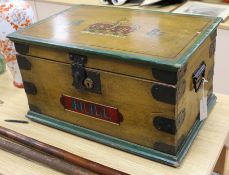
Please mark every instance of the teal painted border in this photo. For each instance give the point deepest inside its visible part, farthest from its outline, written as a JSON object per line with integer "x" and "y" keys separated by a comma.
{"x": 167, "y": 64}
{"x": 122, "y": 144}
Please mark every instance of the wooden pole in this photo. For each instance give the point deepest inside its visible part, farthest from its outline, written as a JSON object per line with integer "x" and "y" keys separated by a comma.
{"x": 47, "y": 160}
{"x": 57, "y": 152}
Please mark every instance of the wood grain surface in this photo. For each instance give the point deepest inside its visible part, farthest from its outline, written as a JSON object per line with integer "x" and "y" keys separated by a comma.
{"x": 41, "y": 158}
{"x": 51, "y": 156}
{"x": 200, "y": 160}
{"x": 124, "y": 92}
{"x": 132, "y": 32}
{"x": 116, "y": 92}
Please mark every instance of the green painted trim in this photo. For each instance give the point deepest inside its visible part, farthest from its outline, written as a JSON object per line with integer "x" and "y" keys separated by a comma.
{"x": 122, "y": 144}
{"x": 183, "y": 59}
{"x": 167, "y": 64}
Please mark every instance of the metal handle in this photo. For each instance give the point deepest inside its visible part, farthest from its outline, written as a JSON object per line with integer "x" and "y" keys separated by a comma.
{"x": 197, "y": 76}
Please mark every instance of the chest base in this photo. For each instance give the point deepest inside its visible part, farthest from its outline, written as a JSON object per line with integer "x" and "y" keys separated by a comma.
{"x": 122, "y": 144}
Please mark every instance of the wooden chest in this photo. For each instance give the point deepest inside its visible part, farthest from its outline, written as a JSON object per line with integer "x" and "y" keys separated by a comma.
{"x": 129, "y": 79}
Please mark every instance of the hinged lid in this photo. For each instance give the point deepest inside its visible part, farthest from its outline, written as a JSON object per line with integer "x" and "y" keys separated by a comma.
{"x": 162, "y": 39}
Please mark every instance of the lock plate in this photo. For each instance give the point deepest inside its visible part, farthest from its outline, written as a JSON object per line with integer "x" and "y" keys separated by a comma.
{"x": 84, "y": 79}
{"x": 96, "y": 84}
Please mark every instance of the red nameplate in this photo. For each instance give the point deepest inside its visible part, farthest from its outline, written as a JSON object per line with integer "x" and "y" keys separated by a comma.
{"x": 102, "y": 112}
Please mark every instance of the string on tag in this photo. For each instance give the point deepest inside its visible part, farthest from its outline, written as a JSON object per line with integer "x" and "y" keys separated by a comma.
{"x": 203, "y": 89}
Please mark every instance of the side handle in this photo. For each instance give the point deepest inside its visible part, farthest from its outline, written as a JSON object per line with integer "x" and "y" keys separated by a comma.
{"x": 197, "y": 76}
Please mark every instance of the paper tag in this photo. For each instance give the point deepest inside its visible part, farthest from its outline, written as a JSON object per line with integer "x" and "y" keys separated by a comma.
{"x": 203, "y": 103}
{"x": 203, "y": 108}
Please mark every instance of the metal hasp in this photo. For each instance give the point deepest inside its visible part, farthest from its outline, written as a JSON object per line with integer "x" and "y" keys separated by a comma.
{"x": 197, "y": 77}
{"x": 86, "y": 80}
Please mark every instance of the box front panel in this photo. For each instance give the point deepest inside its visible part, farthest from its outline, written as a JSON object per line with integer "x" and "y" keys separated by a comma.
{"x": 132, "y": 97}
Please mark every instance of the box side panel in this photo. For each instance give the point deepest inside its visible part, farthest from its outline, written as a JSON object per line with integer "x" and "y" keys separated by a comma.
{"x": 190, "y": 101}
{"x": 131, "y": 96}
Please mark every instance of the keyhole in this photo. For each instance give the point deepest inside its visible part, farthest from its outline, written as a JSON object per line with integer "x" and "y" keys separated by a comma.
{"x": 88, "y": 83}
